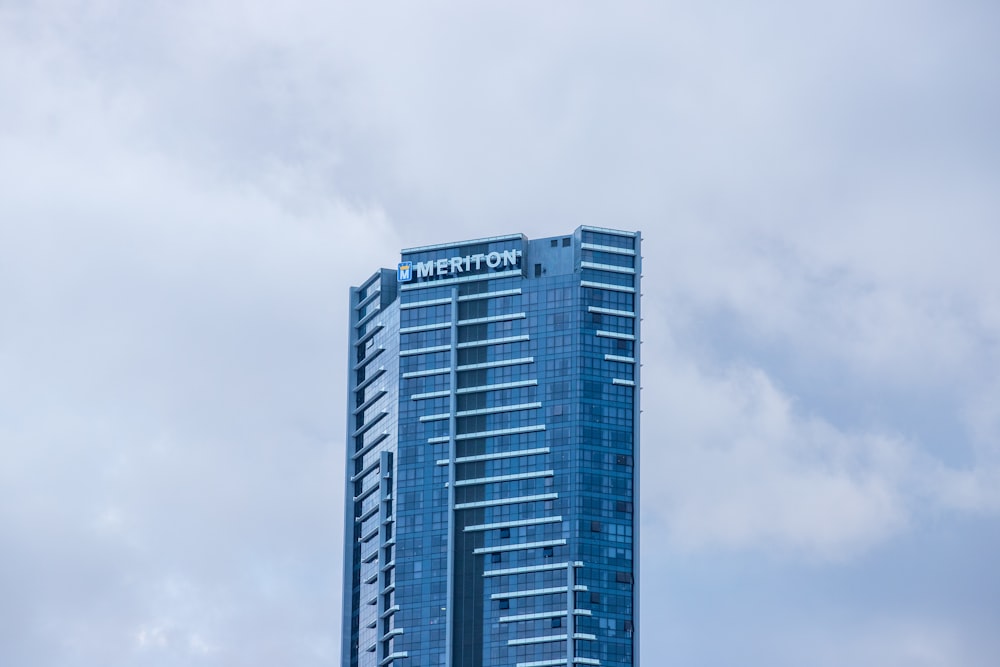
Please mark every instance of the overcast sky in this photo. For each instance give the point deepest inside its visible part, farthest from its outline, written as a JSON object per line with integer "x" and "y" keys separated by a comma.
{"x": 188, "y": 189}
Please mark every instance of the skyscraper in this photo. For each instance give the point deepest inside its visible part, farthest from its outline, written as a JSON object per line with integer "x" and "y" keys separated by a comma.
{"x": 491, "y": 512}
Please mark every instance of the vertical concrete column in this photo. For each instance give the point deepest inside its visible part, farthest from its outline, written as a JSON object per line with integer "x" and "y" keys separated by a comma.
{"x": 452, "y": 428}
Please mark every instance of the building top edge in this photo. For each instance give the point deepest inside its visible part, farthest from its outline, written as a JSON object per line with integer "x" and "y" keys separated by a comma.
{"x": 488, "y": 239}
{"x": 607, "y": 230}
{"x": 370, "y": 280}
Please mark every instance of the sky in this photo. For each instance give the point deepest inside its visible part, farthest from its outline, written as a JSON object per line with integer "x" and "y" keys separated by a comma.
{"x": 188, "y": 189}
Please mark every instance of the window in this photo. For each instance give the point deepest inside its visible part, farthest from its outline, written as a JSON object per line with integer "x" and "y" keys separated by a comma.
{"x": 565, "y": 242}
{"x": 472, "y": 355}
{"x": 478, "y": 287}
{"x": 468, "y": 310}
{"x": 547, "y": 552}
{"x": 496, "y": 558}
{"x": 505, "y": 604}
{"x": 595, "y": 526}
{"x": 554, "y": 243}
{"x": 538, "y": 270}
{"x": 595, "y": 598}
{"x": 470, "y": 333}
{"x": 557, "y": 622}
{"x": 505, "y": 532}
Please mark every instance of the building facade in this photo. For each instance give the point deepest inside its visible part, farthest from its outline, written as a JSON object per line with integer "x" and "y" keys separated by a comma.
{"x": 491, "y": 514}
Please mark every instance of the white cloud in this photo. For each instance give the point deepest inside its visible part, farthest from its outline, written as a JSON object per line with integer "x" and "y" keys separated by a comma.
{"x": 901, "y": 642}
{"x": 728, "y": 462}
{"x": 189, "y": 189}
{"x": 169, "y": 356}
{"x": 154, "y": 637}
{"x": 732, "y": 461}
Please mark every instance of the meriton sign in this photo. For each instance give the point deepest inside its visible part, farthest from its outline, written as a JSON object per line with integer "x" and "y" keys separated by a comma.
{"x": 407, "y": 271}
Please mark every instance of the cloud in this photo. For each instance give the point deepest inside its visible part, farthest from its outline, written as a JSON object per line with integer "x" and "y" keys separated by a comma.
{"x": 929, "y": 642}
{"x": 730, "y": 463}
{"x": 169, "y": 356}
{"x": 190, "y": 188}
{"x": 733, "y": 461}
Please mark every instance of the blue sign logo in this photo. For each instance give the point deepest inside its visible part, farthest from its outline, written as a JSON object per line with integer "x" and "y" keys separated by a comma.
{"x": 404, "y": 272}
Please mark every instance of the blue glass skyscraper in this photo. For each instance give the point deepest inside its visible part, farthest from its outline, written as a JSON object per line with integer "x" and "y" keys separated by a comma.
{"x": 491, "y": 512}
